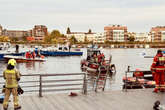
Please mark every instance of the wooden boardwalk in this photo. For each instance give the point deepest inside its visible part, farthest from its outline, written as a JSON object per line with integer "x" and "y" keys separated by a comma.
{"x": 109, "y": 100}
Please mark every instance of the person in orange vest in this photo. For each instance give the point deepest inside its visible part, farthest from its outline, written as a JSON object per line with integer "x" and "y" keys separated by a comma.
{"x": 33, "y": 54}
{"x": 28, "y": 55}
{"x": 158, "y": 70}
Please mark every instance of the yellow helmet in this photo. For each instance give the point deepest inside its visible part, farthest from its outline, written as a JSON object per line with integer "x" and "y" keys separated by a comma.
{"x": 12, "y": 62}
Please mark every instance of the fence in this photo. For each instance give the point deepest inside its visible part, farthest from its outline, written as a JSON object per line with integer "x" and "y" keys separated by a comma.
{"x": 135, "y": 81}
{"x": 50, "y": 82}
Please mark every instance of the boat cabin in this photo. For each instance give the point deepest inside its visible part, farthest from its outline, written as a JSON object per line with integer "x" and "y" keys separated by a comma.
{"x": 92, "y": 51}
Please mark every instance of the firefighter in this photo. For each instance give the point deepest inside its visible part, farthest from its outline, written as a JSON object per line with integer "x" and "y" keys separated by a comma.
{"x": 158, "y": 70}
{"x": 28, "y": 54}
{"x": 12, "y": 76}
{"x": 33, "y": 54}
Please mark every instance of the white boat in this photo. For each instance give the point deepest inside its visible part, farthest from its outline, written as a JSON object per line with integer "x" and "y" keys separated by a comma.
{"x": 21, "y": 59}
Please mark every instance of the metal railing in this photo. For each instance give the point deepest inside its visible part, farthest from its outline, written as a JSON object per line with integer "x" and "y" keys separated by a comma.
{"x": 50, "y": 82}
{"x": 128, "y": 72}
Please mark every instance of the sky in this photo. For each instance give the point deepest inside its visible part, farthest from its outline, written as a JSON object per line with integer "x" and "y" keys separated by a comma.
{"x": 82, "y": 15}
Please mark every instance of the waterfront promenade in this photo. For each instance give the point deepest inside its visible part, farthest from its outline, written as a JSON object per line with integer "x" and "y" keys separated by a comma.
{"x": 141, "y": 99}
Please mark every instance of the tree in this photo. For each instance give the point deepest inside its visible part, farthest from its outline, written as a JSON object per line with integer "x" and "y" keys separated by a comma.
{"x": 131, "y": 38}
{"x": 54, "y": 41}
{"x": 73, "y": 40}
{"x": 86, "y": 40}
{"x": 24, "y": 38}
{"x": 47, "y": 39}
{"x": 4, "y": 39}
{"x": 55, "y": 34}
{"x": 68, "y": 31}
{"x": 14, "y": 39}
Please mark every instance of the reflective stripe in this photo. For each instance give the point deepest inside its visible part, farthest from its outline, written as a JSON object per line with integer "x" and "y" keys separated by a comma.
{"x": 161, "y": 58}
{"x": 157, "y": 86}
{"x": 160, "y": 68}
{"x": 153, "y": 68}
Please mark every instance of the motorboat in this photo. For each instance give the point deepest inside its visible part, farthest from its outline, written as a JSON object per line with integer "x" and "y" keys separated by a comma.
{"x": 21, "y": 59}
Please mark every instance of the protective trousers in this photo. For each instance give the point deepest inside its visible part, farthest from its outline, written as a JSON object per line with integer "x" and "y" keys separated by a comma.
{"x": 8, "y": 91}
{"x": 159, "y": 79}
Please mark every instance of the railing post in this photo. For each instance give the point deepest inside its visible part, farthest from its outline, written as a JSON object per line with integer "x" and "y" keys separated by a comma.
{"x": 40, "y": 89}
{"x": 128, "y": 69}
{"x": 85, "y": 85}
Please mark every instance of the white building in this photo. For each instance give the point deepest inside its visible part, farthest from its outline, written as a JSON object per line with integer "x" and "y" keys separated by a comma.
{"x": 163, "y": 36}
{"x": 99, "y": 38}
{"x": 115, "y": 33}
{"x": 80, "y": 36}
{"x": 142, "y": 37}
{"x": 91, "y": 37}
{"x": 118, "y": 35}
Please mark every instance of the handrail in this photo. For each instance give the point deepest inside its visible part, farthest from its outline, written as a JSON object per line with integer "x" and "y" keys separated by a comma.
{"x": 40, "y": 84}
{"x": 146, "y": 75}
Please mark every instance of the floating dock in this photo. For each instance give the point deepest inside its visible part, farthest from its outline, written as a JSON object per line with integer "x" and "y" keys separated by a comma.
{"x": 139, "y": 99}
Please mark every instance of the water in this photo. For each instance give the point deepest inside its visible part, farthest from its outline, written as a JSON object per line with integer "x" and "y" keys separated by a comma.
{"x": 122, "y": 58}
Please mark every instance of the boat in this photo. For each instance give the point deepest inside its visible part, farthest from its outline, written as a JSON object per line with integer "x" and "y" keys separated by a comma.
{"x": 7, "y": 49}
{"x": 60, "y": 51}
{"x": 145, "y": 80}
{"x": 21, "y": 59}
{"x": 2, "y": 54}
{"x": 93, "y": 67}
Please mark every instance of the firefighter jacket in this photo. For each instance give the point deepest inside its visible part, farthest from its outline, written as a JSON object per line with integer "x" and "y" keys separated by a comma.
{"x": 158, "y": 63}
{"x": 11, "y": 77}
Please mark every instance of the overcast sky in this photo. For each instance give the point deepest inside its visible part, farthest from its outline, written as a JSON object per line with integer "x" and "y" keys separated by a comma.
{"x": 80, "y": 15}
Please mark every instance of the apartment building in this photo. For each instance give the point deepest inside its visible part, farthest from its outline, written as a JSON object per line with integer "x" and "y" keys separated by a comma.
{"x": 81, "y": 36}
{"x": 38, "y": 33}
{"x": 141, "y": 37}
{"x": 99, "y": 38}
{"x": 15, "y": 33}
{"x": 116, "y": 33}
{"x": 158, "y": 34}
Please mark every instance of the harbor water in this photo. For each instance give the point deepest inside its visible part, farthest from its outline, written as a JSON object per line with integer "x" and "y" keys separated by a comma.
{"x": 122, "y": 58}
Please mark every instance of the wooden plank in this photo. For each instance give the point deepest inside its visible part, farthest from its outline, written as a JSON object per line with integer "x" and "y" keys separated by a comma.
{"x": 108, "y": 100}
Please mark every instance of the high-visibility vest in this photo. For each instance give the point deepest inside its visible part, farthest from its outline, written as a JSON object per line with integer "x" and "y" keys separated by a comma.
{"x": 160, "y": 61}
{"x": 11, "y": 77}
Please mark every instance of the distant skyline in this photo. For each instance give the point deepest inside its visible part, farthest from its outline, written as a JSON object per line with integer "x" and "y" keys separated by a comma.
{"x": 82, "y": 15}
